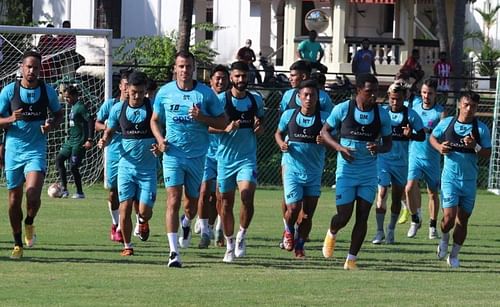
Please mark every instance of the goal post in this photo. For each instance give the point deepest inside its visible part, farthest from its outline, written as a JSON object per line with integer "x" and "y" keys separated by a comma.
{"x": 77, "y": 57}
{"x": 494, "y": 169}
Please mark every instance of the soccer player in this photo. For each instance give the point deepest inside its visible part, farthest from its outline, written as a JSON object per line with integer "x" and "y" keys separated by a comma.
{"x": 304, "y": 159}
{"x": 237, "y": 157}
{"x": 112, "y": 157}
{"x": 424, "y": 162}
{"x": 461, "y": 139}
{"x": 360, "y": 122}
{"x": 209, "y": 202}
{"x": 299, "y": 71}
{"x": 138, "y": 162}
{"x": 392, "y": 167}
{"x": 80, "y": 139}
{"x": 188, "y": 108}
{"x": 23, "y": 114}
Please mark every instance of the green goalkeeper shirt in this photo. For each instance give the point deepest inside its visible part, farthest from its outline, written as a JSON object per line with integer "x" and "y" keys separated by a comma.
{"x": 78, "y": 124}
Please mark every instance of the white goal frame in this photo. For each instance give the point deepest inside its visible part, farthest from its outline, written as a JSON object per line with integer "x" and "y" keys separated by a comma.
{"x": 494, "y": 167}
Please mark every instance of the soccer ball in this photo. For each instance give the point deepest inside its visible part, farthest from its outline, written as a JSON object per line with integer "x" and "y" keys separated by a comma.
{"x": 55, "y": 190}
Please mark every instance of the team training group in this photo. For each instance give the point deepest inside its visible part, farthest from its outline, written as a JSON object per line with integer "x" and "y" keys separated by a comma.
{"x": 206, "y": 138}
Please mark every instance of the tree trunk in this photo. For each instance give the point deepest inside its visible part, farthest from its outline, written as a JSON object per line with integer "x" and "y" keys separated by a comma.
{"x": 185, "y": 20}
{"x": 442, "y": 26}
{"x": 457, "y": 46}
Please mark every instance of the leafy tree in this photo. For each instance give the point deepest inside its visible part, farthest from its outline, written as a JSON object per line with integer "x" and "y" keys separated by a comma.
{"x": 16, "y": 12}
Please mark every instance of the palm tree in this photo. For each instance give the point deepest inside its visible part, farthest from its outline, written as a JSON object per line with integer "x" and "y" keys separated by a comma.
{"x": 442, "y": 25}
{"x": 457, "y": 45}
{"x": 185, "y": 20}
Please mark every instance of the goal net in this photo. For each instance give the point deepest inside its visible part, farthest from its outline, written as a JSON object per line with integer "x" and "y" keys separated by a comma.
{"x": 494, "y": 170}
{"x": 78, "y": 57}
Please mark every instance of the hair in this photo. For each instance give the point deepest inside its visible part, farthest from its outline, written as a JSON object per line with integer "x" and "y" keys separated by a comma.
{"x": 72, "y": 91}
{"x": 413, "y": 51}
{"x": 240, "y": 65}
{"x": 151, "y": 84}
{"x": 363, "y": 78}
{"x": 49, "y": 25}
{"x": 137, "y": 78}
{"x": 66, "y": 24}
{"x": 319, "y": 78}
{"x": 308, "y": 84}
{"x": 470, "y": 95}
{"x": 443, "y": 53}
{"x": 184, "y": 54}
{"x": 124, "y": 73}
{"x": 431, "y": 83}
{"x": 220, "y": 68}
{"x": 32, "y": 53}
{"x": 365, "y": 40}
{"x": 399, "y": 86}
{"x": 302, "y": 66}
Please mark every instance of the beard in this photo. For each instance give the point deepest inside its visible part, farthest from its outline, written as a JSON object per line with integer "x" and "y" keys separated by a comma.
{"x": 240, "y": 86}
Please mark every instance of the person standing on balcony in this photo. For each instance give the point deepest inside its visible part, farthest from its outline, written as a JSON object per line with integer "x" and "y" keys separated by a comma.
{"x": 364, "y": 60}
{"x": 442, "y": 70}
{"x": 411, "y": 68}
{"x": 310, "y": 50}
{"x": 247, "y": 55}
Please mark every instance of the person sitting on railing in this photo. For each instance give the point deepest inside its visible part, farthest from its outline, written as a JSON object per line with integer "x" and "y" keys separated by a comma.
{"x": 309, "y": 49}
{"x": 364, "y": 60}
{"x": 411, "y": 68}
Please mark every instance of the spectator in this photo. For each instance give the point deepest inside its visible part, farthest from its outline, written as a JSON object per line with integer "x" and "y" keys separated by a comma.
{"x": 309, "y": 50}
{"x": 364, "y": 59}
{"x": 247, "y": 55}
{"x": 411, "y": 68}
{"x": 442, "y": 69}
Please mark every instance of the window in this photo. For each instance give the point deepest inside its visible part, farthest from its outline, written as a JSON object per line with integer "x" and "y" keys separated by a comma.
{"x": 108, "y": 15}
{"x": 209, "y": 35}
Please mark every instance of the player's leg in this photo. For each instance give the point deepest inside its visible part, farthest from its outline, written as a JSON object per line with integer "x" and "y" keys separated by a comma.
{"x": 173, "y": 175}
{"x": 34, "y": 184}
{"x": 147, "y": 183}
{"x": 413, "y": 201}
{"x": 75, "y": 161}
{"x": 61, "y": 158}
{"x": 396, "y": 195}
{"x": 227, "y": 191}
{"x": 206, "y": 202}
{"x": 293, "y": 194}
{"x": 15, "y": 184}
{"x": 345, "y": 194}
{"x": 126, "y": 226}
{"x": 309, "y": 204}
{"x": 246, "y": 179}
{"x": 111, "y": 184}
{"x": 359, "y": 230}
{"x": 450, "y": 210}
{"x": 432, "y": 178}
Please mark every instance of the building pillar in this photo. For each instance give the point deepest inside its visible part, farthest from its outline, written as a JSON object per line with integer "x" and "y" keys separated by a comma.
{"x": 200, "y": 16}
{"x": 406, "y": 28}
{"x": 265, "y": 27}
{"x": 293, "y": 12}
{"x": 339, "y": 48}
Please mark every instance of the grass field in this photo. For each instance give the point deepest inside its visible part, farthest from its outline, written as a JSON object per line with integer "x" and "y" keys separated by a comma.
{"x": 74, "y": 263}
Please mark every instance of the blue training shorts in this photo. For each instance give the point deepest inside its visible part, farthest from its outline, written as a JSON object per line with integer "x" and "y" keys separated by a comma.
{"x": 298, "y": 185}
{"x": 246, "y": 171}
{"x": 347, "y": 190}
{"x": 15, "y": 174}
{"x": 137, "y": 184}
{"x": 210, "y": 170}
{"x": 459, "y": 193}
{"x": 389, "y": 173}
{"x": 428, "y": 170}
{"x": 183, "y": 171}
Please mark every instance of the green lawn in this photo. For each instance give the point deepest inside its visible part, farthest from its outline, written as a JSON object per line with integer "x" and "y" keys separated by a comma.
{"x": 74, "y": 263}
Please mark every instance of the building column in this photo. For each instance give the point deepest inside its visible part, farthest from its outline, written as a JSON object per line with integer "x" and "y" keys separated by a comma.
{"x": 200, "y": 16}
{"x": 339, "y": 48}
{"x": 293, "y": 10}
{"x": 406, "y": 28}
{"x": 265, "y": 27}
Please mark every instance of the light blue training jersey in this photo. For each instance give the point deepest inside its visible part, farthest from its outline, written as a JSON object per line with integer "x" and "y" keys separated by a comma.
{"x": 301, "y": 157}
{"x": 460, "y": 165}
{"x": 186, "y": 137}
{"x": 430, "y": 118}
{"x": 240, "y": 144}
{"x": 135, "y": 153}
{"x": 114, "y": 147}
{"x": 325, "y": 102}
{"x": 25, "y": 138}
{"x": 364, "y": 163}
{"x": 398, "y": 155}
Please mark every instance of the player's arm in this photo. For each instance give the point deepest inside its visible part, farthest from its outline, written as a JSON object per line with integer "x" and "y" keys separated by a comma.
{"x": 385, "y": 145}
{"x": 280, "y": 140}
{"x": 156, "y": 128}
{"x": 5, "y": 122}
{"x": 53, "y": 123}
{"x": 99, "y": 125}
{"x": 106, "y": 137}
{"x": 373, "y": 65}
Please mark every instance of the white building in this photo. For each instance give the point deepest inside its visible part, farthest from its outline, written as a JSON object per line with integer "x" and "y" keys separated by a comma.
{"x": 275, "y": 26}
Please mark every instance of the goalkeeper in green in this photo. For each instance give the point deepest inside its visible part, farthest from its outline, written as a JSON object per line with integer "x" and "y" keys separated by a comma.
{"x": 80, "y": 139}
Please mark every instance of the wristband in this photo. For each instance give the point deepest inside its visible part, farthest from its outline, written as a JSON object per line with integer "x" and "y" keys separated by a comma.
{"x": 90, "y": 140}
{"x": 477, "y": 148}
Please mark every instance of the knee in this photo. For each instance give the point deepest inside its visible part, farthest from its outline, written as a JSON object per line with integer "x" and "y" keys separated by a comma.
{"x": 32, "y": 195}
{"x": 60, "y": 161}
{"x": 247, "y": 198}
{"x": 342, "y": 219}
